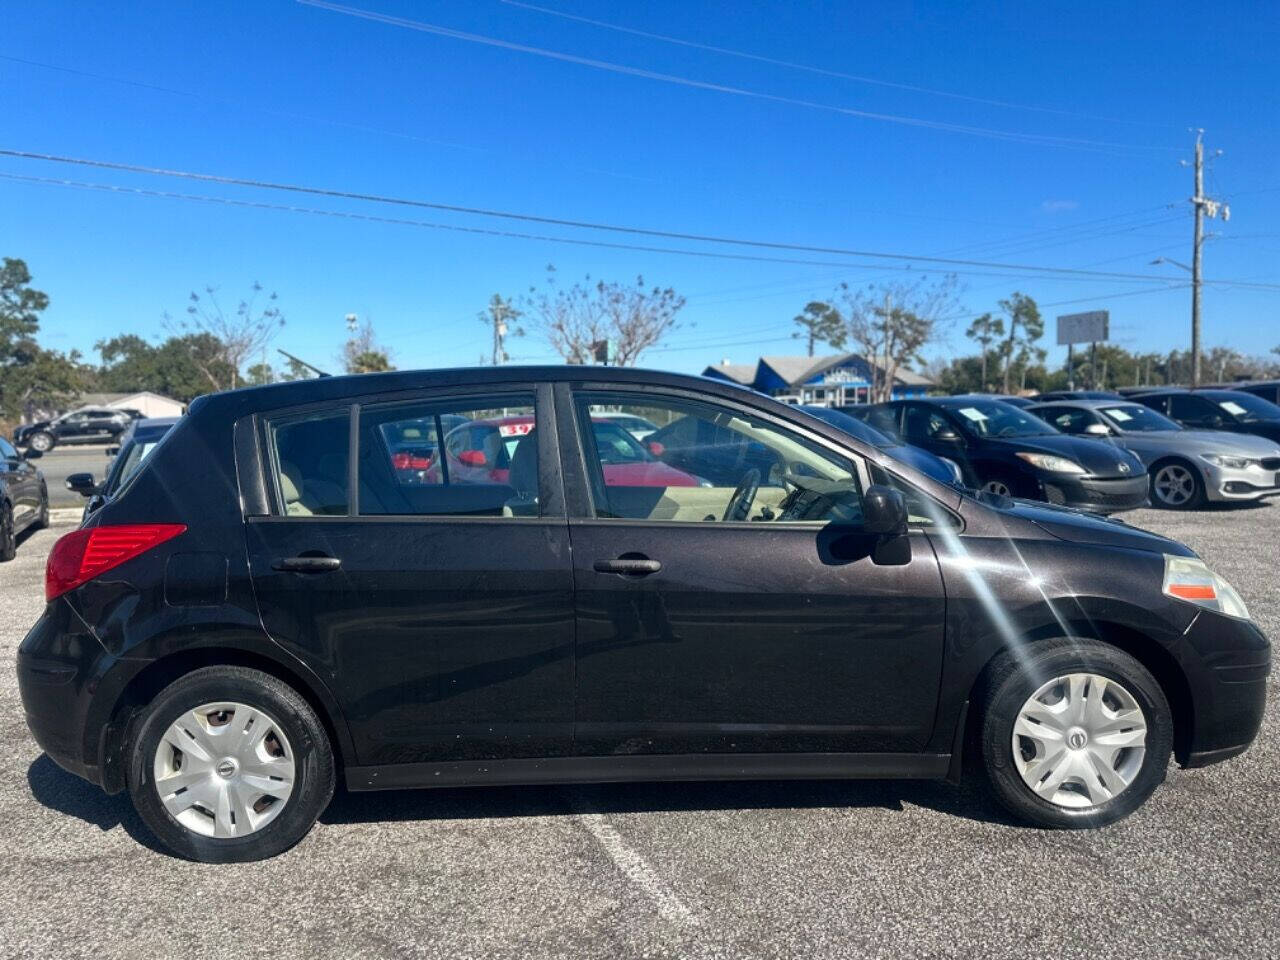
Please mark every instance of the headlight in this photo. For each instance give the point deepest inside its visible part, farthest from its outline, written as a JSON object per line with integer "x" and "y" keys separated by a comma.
{"x": 1235, "y": 463}
{"x": 1186, "y": 578}
{"x": 1047, "y": 461}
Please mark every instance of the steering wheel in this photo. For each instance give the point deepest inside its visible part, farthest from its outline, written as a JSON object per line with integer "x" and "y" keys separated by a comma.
{"x": 739, "y": 507}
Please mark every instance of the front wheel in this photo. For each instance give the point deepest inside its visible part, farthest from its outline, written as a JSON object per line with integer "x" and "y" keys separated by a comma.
{"x": 229, "y": 765}
{"x": 43, "y": 442}
{"x": 1075, "y": 733}
{"x": 1176, "y": 486}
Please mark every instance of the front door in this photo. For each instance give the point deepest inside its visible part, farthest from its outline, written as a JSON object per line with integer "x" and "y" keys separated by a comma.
{"x": 739, "y": 612}
{"x": 22, "y": 483}
{"x": 438, "y": 602}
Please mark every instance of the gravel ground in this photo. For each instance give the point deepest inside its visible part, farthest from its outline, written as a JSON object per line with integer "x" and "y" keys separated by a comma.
{"x": 707, "y": 870}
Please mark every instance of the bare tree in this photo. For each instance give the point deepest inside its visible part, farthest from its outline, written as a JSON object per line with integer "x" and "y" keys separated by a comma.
{"x": 577, "y": 320}
{"x": 890, "y": 324}
{"x": 241, "y": 334}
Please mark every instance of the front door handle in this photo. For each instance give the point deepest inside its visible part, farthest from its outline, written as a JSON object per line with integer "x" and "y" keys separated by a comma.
{"x": 628, "y": 566}
{"x": 307, "y": 564}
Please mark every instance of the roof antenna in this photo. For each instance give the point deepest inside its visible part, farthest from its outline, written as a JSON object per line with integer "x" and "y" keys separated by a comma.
{"x": 303, "y": 363}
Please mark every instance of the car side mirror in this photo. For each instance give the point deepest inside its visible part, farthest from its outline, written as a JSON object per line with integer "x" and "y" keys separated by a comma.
{"x": 655, "y": 448}
{"x": 884, "y": 511}
{"x": 83, "y": 484}
{"x": 948, "y": 436}
{"x": 1097, "y": 430}
{"x": 113, "y": 451}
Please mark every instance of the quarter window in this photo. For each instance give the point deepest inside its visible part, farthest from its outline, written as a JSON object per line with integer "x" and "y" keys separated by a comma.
{"x": 700, "y": 462}
{"x": 472, "y": 457}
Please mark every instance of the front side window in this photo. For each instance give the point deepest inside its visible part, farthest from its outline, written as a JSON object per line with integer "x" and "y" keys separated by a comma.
{"x": 708, "y": 463}
{"x": 308, "y": 456}
{"x": 924, "y": 424}
{"x": 464, "y": 457}
{"x": 1194, "y": 410}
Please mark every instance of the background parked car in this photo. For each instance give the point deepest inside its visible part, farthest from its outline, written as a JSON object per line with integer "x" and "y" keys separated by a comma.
{"x": 136, "y": 443}
{"x": 1187, "y": 467}
{"x": 24, "y": 499}
{"x": 86, "y": 425}
{"x": 1217, "y": 410}
{"x": 940, "y": 468}
{"x": 1268, "y": 390}
{"x": 1074, "y": 395}
{"x": 1009, "y": 452}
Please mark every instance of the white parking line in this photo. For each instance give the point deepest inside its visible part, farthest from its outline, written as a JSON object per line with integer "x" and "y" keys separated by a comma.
{"x": 631, "y": 863}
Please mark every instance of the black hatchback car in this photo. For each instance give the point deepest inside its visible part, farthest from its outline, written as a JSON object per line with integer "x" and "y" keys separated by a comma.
{"x": 1010, "y": 452}
{"x": 269, "y": 604}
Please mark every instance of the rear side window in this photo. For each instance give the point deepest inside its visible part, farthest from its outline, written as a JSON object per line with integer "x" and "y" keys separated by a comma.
{"x": 309, "y": 461}
{"x": 474, "y": 457}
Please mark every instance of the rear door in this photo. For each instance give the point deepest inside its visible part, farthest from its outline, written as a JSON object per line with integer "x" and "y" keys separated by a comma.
{"x": 739, "y": 613}
{"x": 439, "y": 610}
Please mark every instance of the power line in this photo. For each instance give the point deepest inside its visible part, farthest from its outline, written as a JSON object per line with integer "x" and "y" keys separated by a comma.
{"x": 609, "y": 66}
{"x": 948, "y": 262}
{"x": 820, "y": 71}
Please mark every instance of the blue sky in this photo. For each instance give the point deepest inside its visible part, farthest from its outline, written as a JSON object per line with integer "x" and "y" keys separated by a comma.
{"x": 1098, "y": 99}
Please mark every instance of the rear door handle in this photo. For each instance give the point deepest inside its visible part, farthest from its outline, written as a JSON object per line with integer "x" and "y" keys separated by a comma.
{"x": 306, "y": 564}
{"x": 630, "y": 566}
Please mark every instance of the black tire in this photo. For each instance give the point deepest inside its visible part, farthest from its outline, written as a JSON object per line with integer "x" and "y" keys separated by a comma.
{"x": 313, "y": 762}
{"x": 1010, "y": 683}
{"x": 42, "y": 519}
{"x": 8, "y": 538}
{"x": 1197, "y": 495}
{"x": 42, "y": 441}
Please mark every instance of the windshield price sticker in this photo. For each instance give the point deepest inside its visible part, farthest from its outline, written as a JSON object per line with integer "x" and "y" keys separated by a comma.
{"x": 1232, "y": 408}
{"x": 1118, "y": 414}
{"x": 973, "y": 413}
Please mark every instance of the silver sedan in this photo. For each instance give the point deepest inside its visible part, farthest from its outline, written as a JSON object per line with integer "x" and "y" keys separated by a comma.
{"x": 1187, "y": 467}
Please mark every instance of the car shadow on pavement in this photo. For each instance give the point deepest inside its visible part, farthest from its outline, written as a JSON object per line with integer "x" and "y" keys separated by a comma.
{"x": 969, "y": 800}
{"x": 66, "y": 793}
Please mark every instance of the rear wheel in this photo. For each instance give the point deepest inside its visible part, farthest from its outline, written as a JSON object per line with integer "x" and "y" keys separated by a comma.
{"x": 8, "y": 539}
{"x": 228, "y": 765}
{"x": 42, "y": 520}
{"x": 1075, "y": 733}
{"x": 1176, "y": 485}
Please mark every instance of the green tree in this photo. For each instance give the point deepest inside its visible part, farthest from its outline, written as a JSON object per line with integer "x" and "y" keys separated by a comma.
{"x": 1025, "y": 328}
{"x": 259, "y": 374}
{"x": 179, "y": 367}
{"x": 985, "y": 330}
{"x": 499, "y": 316}
{"x": 362, "y": 353}
{"x": 819, "y": 322}
{"x": 31, "y": 377}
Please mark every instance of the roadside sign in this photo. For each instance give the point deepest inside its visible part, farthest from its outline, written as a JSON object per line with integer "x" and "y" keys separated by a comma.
{"x": 1091, "y": 327}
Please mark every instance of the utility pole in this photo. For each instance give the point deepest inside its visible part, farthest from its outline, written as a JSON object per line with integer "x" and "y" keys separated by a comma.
{"x": 1202, "y": 206}
{"x": 501, "y": 312}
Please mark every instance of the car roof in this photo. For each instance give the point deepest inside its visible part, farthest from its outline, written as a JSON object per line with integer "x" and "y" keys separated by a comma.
{"x": 247, "y": 400}
{"x": 964, "y": 398}
{"x": 1087, "y": 403}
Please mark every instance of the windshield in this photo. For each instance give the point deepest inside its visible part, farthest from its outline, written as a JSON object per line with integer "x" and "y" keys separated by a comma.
{"x": 853, "y": 426}
{"x": 1135, "y": 418}
{"x": 993, "y": 418}
{"x": 1245, "y": 406}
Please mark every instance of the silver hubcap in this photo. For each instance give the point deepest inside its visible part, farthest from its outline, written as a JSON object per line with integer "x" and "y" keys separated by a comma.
{"x": 224, "y": 770}
{"x": 1079, "y": 740}
{"x": 997, "y": 487}
{"x": 1174, "y": 485}
{"x": 40, "y": 442}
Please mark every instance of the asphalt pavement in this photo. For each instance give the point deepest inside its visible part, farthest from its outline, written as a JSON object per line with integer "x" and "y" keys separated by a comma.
{"x": 673, "y": 870}
{"x": 60, "y": 462}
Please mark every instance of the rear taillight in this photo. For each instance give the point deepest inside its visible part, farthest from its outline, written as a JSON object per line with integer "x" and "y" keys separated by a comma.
{"x": 84, "y": 554}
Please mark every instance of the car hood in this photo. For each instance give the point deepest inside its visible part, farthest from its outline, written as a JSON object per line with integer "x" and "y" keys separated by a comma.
{"x": 1100, "y": 458}
{"x": 1203, "y": 441}
{"x": 28, "y": 427}
{"x": 1076, "y": 526}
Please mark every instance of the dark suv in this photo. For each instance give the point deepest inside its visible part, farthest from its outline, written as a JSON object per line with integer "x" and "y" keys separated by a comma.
{"x": 87, "y": 425}
{"x": 269, "y": 603}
